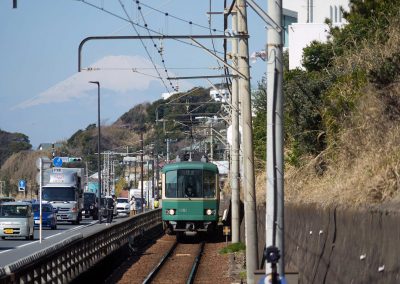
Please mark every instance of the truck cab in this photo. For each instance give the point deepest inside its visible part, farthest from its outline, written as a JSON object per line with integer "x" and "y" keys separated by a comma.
{"x": 65, "y": 193}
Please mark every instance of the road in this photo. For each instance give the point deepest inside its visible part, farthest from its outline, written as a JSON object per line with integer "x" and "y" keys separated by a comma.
{"x": 14, "y": 243}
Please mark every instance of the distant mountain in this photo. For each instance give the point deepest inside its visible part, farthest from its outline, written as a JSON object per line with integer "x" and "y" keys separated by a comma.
{"x": 12, "y": 143}
{"x": 177, "y": 117}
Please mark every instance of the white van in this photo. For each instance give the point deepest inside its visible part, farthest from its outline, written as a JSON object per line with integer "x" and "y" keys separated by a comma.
{"x": 16, "y": 220}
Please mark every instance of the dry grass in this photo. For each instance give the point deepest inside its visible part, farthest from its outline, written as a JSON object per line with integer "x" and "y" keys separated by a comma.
{"x": 372, "y": 52}
{"x": 363, "y": 168}
{"x": 22, "y": 166}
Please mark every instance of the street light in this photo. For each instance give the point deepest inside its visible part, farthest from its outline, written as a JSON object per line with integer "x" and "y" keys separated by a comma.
{"x": 98, "y": 149}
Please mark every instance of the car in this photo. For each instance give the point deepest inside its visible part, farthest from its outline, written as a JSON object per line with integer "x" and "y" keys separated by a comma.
{"x": 123, "y": 206}
{"x": 16, "y": 220}
{"x": 90, "y": 205}
{"x": 49, "y": 216}
{"x": 6, "y": 199}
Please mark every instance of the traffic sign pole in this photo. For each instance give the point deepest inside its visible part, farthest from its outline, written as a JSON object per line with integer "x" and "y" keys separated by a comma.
{"x": 40, "y": 199}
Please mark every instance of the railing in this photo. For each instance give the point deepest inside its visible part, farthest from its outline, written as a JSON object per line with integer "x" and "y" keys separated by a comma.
{"x": 64, "y": 261}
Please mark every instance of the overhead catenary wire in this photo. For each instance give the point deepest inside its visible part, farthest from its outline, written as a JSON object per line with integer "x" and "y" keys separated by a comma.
{"x": 228, "y": 80}
{"x": 144, "y": 46}
{"x": 160, "y": 52}
{"x": 137, "y": 24}
{"x": 150, "y": 31}
{"x": 125, "y": 69}
{"x": 210, "y": 30}
{"x": 167, "y": 14}
{"x": 150, "y": 68}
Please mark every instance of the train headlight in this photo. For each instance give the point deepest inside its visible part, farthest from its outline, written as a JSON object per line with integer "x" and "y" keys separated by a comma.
{"x": 210, "y": 212}
{"x": 171, "y": 212}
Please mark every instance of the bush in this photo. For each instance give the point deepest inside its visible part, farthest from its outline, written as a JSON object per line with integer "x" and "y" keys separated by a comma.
{"x": 236, "y": 247}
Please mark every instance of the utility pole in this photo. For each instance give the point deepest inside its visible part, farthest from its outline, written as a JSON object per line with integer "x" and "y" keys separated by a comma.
{"x": 113, "y": 176}
{"x": 235, "y": 168}
{"x": 148, "y": 181}
{"x": 141, "y": 168}
{"x": 211, "y": 142}
{"x": 168, "y": 140}
{"x": 2, "y": 187}
{"x": 248, "y": 158}
{"x": 98, "y": 150}
{"x": 135, "y": 172}
{"x": 275, "y": 189}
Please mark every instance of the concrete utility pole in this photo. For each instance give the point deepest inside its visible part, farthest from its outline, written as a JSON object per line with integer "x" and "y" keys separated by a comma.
{"x": 275, "y": 190}
{"x": 168, "y": 150}
{"x": 211, "y": 142}
{"x": 235, "y": 139}
{"x": 98, "y": 150}
{"x": 141, "y": 168}
{"x": 248, "y": 158}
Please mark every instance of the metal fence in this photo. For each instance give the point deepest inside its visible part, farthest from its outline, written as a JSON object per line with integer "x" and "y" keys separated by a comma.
{"x": 64, "y": 261}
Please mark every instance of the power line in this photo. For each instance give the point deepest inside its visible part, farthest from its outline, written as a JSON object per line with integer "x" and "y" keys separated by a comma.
{"x": 136, "y": 24}
{"x": 134, "y": 69}
{"x": 209, "y": 28}
{"x": 159, "y": 50}
{"x": 177, "y": 18}
{"x": 144, "y": 46}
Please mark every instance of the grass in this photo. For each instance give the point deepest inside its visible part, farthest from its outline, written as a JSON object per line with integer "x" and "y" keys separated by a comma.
{"x": 236, "y": 247}
{"x": 243, "y": 275}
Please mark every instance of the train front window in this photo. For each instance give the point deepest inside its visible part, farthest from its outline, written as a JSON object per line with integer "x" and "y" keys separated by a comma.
{"x": 209, "y": 184}
{"x": 171, "y": 184}
{"x": 190, "y": 183}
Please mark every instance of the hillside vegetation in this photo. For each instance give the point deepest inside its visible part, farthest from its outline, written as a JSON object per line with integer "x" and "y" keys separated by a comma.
{"x": 12, "y": 143}
{"x": 177, "y": 118}
{"x": 342, "y": 113}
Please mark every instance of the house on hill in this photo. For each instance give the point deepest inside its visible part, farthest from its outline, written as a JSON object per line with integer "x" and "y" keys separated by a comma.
{"x": 48, "y": 146}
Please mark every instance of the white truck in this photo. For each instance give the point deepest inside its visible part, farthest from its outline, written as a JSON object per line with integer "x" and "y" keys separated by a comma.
{"x": 63, "y": 188}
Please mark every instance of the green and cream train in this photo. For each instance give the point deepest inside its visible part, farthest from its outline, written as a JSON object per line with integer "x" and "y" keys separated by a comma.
{"x": 190, "y": 198}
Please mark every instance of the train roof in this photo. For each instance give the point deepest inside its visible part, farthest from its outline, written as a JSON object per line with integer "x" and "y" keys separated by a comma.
{"x": 195, "y": 165}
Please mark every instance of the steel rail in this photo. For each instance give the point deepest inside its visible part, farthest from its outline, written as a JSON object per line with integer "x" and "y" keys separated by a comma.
{"x": 157, "y": 268}
{"x": 196, "y": 263}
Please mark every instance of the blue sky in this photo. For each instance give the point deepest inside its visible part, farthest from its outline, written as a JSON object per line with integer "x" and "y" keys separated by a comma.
{"x": 43, "y": 96}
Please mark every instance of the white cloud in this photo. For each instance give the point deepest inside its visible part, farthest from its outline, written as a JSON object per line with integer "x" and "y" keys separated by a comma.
{"x": 113, "y": 72}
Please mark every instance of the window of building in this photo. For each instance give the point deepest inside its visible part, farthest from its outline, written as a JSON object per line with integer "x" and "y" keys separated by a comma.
{"x": 336, "y": 14}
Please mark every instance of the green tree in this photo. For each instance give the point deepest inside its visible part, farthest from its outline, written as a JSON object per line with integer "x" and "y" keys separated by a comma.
{"x": 259, "y": 99}
{"x": 318, "y": 56}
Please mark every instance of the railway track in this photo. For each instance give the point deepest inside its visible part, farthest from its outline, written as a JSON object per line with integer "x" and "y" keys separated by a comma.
{"x": 178, "y": 265}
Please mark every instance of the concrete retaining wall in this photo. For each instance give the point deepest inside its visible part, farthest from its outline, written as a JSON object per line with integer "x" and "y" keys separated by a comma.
{"x": 339, "y": 245}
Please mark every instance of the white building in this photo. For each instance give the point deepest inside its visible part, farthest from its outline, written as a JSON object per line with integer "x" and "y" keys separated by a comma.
{"x": 220, "y": 95}
{"x": 300, "y": 36}
{"x": 310, "y": 25}
{"x": 316, "y": 11}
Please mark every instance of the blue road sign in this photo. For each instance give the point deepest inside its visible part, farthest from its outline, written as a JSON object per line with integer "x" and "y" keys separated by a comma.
{"x": 21, "y": 185}
{"x": 57, "y": 161}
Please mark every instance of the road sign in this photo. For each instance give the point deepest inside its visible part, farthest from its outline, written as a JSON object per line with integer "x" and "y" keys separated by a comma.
{"x": 226, "y": 230}
{"x": 21, "y": 185}
{"x": 57, "y": 161}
